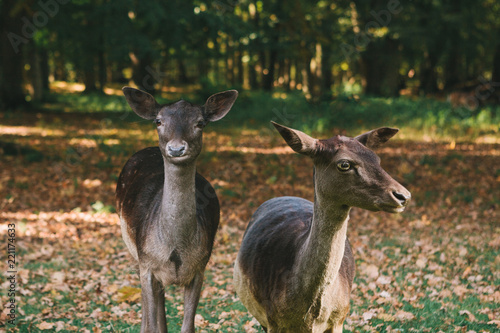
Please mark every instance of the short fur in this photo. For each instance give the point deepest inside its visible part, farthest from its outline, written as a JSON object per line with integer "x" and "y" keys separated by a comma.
{"x": 295, "y": 267}
{"x": 140, "y": 188}
{"x": 169, "y": 213}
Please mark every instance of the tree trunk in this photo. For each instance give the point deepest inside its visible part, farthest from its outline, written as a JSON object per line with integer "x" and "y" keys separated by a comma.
{"x": 229, "y": 64}
{"x": 35, "y": 73}
{"x": 452, "y": 77}
{"x": 307, "y": 79}
{"x": 45, "y": 71}
{"x": 252, "y": 74}
{"x": 262, "y": 66}
{"x": 268, "y": 82}
{"x": 215, "y": 61}
{"x": 380, "y": 64}
{"x": 102, "y": 65}
{"x": 495, "y": 75}
{"x": 182, "y": 78}
{"x": 316, "y": 87}
{"x": 326, "y": 69}
{"x": 428, "y": 77}
{"x": 239, "y": 65}
{"x": 202, "y": 67}
{"x": 452, "y": 69}
{"x": 143, "y": 73}
{"x": 286, "y": 74}
{"x": 89, "y": 76}
{"x": 11, "y": 49}
{"x": 59, "y": 70}
{"x": 297, "y": 78}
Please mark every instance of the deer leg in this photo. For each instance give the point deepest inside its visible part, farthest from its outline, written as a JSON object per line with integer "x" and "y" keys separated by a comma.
{"x": 191, "y": 299}
{"x": 336, "y": 328}
{"x": 160, "y": 308}
{"x": 150, "y": 294}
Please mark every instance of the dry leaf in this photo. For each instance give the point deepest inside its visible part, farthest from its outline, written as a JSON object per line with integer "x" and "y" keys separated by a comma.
{"x": 249, "y": 327}
{"x": 59, "y": 326}
{"x": 385, "y": 317}
{"x": 199, "y": 321}
{"x": 403, "y": 315}
{"x": 383, "y": 279}
{"x": 128, "y": 294}
{"x": 45, "y": 326}
{"x": 470, "y": 316}
{"x": 369, "y": 315}
{"x": 371, "y": 271}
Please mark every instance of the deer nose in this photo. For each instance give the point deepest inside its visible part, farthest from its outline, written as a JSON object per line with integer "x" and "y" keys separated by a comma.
{"x": 176, "y": 151}
{"x": 403, "y": 198}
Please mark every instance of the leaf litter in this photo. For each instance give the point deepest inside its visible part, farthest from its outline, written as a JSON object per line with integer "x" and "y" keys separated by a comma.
{"x": 433, "y": 268}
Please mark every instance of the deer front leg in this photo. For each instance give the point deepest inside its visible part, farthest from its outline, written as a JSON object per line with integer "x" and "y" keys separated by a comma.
{"x": 153, "y": 303}
{"x": 160, "y": 309}
{"x": 191, "y": 299}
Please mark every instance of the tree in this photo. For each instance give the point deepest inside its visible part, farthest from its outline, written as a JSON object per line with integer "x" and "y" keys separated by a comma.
{"x": 11, "y": 47}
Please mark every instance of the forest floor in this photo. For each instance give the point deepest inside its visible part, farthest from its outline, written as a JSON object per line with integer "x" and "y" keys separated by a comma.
{"x": 436, "y": 267}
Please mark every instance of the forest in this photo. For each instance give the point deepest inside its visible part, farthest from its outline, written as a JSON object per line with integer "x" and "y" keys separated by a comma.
{"x": 430, "y": 68}
{"x": 322, "y": 48}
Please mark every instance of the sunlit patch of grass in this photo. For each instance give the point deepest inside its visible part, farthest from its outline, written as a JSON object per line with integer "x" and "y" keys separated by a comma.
{"x": 418, "y": 118}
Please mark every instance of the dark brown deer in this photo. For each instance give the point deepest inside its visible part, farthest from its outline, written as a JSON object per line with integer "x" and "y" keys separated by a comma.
{"x": 295, "y": 267}
{"x": 169, "y": 213}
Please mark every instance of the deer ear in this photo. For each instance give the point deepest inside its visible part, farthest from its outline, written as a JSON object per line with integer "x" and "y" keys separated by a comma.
{"x": 141, "y": 102}
{"x": 376, "y": 137}
{"x": 299, "y": 141}
{"x": 218, "y": 105}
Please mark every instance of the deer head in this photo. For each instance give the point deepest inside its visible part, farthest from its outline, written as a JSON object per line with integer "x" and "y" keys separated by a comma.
{"x": 348, "y": 172}
{"x": 180, "y": 124}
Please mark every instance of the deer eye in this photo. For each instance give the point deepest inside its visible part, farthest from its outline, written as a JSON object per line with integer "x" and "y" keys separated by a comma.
{"x": 200, "y": 124}
{"x": 158, "y": 122}
{"x": 344, "y": 166}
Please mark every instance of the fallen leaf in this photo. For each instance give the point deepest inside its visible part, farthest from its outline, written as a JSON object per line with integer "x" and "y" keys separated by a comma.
{"x": 385, "y": 317}
{"x": 369, "y": 315}
{"x": 45, "y": 326}
{"x": 199, "y": 321}
{"x": 371, "y": 271}
{"x": 470, "y": 316}
{"x": 59, "y": 326}
{"x": 128, "y": 294}
{"x": 403, "y": 315}
{"x": 249, "y": 327}
{"x": 466, "y": 272}
{"x": 384, "y": 279}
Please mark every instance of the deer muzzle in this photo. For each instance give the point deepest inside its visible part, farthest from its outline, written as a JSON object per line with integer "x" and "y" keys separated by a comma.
{"x": 176, "y": 150}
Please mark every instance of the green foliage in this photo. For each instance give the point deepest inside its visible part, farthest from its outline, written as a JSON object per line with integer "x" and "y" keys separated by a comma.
{"x": 421, "y": 115}
{"x": 99, "y": 207}
{"x": 417, "y": 116}
{"x": 318, "y": 48}
{"x": 89, "y": 103}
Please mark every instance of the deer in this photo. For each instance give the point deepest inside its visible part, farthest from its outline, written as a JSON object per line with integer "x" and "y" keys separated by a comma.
{"x": 295, "y": 267}
{"x": 169, "y": 213}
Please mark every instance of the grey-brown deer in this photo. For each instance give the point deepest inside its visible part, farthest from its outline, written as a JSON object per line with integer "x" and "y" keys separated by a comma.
{"x": 169, "y": 213}
{"x": 295, "y": 267}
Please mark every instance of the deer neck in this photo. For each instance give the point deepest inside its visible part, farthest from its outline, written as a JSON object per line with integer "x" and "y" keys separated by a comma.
{"x": 178, "y": 205}
{"x": 323, "y": 250}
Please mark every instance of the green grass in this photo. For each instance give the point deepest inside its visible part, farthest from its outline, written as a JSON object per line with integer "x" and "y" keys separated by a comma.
{"x": 416, "y": 116}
